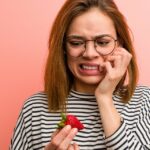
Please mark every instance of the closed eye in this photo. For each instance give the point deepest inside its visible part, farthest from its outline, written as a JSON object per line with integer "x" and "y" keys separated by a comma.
{"x": 76, "y": 43}
{"x": 102, "y": 43}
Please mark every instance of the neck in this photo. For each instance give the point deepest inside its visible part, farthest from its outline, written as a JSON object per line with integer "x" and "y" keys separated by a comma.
{"x": 84, "y": 88}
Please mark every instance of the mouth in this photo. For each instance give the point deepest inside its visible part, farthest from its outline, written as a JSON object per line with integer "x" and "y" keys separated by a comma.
{"x": 89, "y": 67}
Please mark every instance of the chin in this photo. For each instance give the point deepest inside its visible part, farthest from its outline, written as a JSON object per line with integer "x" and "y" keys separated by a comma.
{"x": 92, "y": 81}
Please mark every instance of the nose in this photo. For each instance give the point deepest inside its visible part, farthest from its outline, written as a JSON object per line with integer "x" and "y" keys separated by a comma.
{"x": 90, "y": 51}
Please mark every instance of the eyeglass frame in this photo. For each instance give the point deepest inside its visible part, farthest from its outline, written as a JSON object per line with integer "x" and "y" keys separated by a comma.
{"x": 94, "y": 40}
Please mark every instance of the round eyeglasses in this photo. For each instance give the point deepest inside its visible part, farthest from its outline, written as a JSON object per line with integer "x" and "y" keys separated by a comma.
{"x": 103, "y": 44}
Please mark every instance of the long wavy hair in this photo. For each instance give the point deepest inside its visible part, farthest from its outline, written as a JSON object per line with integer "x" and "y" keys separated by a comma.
{"x": 58, "y": 78}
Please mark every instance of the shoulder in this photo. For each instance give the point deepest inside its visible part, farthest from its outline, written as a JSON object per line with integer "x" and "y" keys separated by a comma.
{"x": 142, "y": 91}
{"x": 36, "y": 102}
{"x": 138, "y": 105}
{"x": 39, "y": 97}
{"x": 141, "y": 96}
{"x": 28, "y": 126}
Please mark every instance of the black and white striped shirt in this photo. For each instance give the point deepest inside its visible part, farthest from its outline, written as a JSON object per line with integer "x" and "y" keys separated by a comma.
{"x": 36, "y": 124}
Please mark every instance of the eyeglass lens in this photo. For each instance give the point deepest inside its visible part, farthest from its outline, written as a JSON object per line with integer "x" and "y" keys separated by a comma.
{"x": 103, "y": 44}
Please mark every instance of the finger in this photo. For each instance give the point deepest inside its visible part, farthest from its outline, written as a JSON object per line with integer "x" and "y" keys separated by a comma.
{"x": 71, "y": 147}
{"x": 111, "y": 58}
{"x": 102, "y": 67}
{"x": 57, "y": 140}
{"x": 120, "y": 49}
{"x": 117, "y": 67}
{"x": 108, "y": 67}
{"x": 125, "y": 58}
{"x": 69, "y": 138}
{"x": 76, "y": 147}
{"x": 118, "y": 61}
{"x": 124, "y": 53}
{"x": 55, "y": 133}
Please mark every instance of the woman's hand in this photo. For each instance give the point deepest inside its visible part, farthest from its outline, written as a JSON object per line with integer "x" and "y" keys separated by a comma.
{"x": 115, "y": 67}
{"x": 61, "y": 139}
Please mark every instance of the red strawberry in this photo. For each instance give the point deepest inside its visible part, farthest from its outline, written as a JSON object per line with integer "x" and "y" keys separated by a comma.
{"x": 70, "y": 120}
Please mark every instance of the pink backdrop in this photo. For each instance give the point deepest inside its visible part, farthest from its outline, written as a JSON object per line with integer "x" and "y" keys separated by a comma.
{"x": 24, "y": 30}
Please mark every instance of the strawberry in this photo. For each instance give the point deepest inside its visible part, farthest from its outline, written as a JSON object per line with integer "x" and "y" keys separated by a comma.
{"x": 70, "y": 120}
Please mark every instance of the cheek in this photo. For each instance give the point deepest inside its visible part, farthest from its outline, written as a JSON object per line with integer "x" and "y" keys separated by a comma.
{"x": 71, "y": 65}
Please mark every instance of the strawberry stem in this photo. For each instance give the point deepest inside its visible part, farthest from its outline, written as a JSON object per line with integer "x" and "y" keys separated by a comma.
{"x": 61, "y": 124}
{"x": 63, "y": 116}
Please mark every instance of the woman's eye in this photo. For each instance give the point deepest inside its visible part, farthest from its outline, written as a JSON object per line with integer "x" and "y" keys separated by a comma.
{"x": 76, "y": 43}
{"x": 102, "y": 43}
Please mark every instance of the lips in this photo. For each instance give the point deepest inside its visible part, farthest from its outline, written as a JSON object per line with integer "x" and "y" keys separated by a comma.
{"x": 90, "y": 69}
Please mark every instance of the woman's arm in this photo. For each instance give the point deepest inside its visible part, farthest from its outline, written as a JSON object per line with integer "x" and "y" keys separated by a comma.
{"x": 118, "y": 134}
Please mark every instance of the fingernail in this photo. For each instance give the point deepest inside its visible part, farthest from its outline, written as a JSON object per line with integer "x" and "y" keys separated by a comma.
{"x": 68, "y": 127}
{"x": 75, "y": 130}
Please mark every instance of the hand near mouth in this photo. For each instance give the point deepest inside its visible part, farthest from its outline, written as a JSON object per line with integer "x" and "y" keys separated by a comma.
{"x": 114, "y": 67}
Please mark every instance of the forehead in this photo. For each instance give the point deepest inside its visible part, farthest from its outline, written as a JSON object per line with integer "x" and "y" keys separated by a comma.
{"x": 92, "y": 23}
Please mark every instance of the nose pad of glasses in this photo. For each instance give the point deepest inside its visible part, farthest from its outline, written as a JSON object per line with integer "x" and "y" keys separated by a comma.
{"x": 90, "y": 52}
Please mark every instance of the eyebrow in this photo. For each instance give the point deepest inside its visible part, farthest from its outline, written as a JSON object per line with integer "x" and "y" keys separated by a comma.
{"x": 81, "y": 37}
{"x": 75, "y": 37}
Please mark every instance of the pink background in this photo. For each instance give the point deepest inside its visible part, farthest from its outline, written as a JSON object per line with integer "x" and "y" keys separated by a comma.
{"x": 24, "y": 31}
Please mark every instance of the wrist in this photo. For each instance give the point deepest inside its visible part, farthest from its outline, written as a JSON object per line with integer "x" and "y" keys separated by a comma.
{"x": 104, "y": 100}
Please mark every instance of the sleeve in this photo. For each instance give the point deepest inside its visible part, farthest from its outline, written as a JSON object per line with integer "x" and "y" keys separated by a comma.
{"x": 22, "y": 132}
{"x": 125, "y": 138}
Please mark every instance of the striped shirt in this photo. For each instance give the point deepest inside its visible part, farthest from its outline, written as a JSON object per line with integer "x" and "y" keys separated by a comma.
{"x": 36, "y": 124}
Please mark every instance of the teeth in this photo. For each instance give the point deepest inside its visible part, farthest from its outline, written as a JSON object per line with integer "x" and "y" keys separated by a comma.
{"x": 90, "y": 67}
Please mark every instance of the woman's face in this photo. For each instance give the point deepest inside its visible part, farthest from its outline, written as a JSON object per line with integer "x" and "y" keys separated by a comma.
{"x": 86, "y": 69}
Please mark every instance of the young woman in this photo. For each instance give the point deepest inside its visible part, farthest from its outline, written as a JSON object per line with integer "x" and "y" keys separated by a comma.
{"x": 91, "y": 72}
